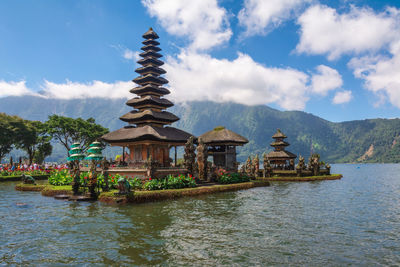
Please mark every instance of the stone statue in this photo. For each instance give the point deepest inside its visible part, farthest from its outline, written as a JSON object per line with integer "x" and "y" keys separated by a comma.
{"x": 124, "y": 186}
{"x": 189, "y": 157}
{"x": 27, "y": 179}
{"x": 92, "y": 179}
{"x": 328, "y": 168}
{"x": 256, "y": 166}
{"x": 151, "y": 166}
{"x": 202, "y": 160}
{"x": 249, "y": 167}
{"x": 76, "y": 183}
{"x": 313, "y": 164}
{"x": 106, "y": 166}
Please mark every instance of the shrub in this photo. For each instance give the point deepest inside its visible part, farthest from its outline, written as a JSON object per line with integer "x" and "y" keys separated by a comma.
{"x": 61, "y": 177}
{"x": 170, "y": 182}
{"x": 232, "y": 178}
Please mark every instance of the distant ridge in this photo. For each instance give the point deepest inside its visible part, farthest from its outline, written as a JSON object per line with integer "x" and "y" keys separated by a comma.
{"x": 336, "y": 142}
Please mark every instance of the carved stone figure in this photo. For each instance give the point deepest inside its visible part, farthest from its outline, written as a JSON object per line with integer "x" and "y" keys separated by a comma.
{"x": 76, "y": 183}
{"x": 124, "y": 186}
{"x": 256, "y": 165}
{"x": 27, "y": 179}
{"x": 189, "y": 157}
{"x": 202, "y": 160}
{"x": 92, "y": 179}
{"x": 106, "y": 166}
{"x": 328, "y": 168}
{"x": 151, "y": 167}
{"x": 249, "y": 167}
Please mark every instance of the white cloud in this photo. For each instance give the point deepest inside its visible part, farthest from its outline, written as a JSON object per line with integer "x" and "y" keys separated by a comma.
{"x": 74, "y": 90}
{"x": 326, "y": 80}
{"x": 14, "y": 89}
{"x": 324, "y": 31}
{"x": 131, "y": 55}
{"x": 195, "y": 76}
{"x": 202, "y": 21}
{"x": 381, "y": 74}
{"x": 342, "y": 97}
{"x": 260, "y": 16}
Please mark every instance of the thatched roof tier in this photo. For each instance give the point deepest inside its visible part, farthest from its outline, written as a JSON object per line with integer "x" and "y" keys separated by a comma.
{"x": 150, "y": 89}
{"x": 150, "y": 69}
{"x": 150, "y": 60}
{"x": 279, "y": 134}
{"x": 151, "y": 48}
{"x": 150, "y": 78}
{"x": 278, "y": 155}
{"x": 151, "y": 101}
{"x": 137, "y": 117}
{"x": 132, "y": 134}
{"x": 222, "y": 136}
{"x": 150, "y": 34}
{"x": 279, "y": 143}
{"x": 150, "y": 42}
{"x": 150, "y": 54}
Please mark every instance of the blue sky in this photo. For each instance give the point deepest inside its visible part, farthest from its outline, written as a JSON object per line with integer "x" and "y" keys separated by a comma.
{"x": 339, "y": 60}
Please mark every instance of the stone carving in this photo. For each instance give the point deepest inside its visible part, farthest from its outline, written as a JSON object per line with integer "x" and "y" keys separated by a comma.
{"x": 189, "y": 157}
{"x": 105, "y": 166}
{"x": 202, "y": 160}
{"x": 76, "y": 183}
{"x": 27, "y": 179}
{"x": 124, "y": 186}
{"x": 92, "y": 179}
{"x": 151, "y": 166}
{"x": 256, "y": 166}
{"x": 249, "y": 167}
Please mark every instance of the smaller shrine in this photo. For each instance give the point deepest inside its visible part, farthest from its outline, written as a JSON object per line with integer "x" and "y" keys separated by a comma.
{"x": 279, "y": 158}
{"x": 221, "y": 145}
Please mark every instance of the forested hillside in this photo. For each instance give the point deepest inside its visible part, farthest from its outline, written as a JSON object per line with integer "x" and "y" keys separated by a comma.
{"x": 375, "y": 140}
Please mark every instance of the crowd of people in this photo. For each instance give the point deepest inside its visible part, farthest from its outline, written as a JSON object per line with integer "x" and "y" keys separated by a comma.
{"x": 33, "y": 167}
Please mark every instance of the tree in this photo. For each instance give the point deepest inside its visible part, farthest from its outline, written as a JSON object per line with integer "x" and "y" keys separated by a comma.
{"x": 7, "y": 137}
{"x": 68, "y": 131}
{"x": 33, "y": 139}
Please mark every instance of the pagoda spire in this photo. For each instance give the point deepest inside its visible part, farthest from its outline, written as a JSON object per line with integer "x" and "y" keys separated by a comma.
{"x": 149, "y": 105}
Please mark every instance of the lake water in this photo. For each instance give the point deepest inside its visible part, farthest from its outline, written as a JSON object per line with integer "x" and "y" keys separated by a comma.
{"x": 352, "y": 221}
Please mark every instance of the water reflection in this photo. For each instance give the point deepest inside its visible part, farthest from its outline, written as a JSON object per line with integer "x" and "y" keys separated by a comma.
{"x": 354, "y": 221}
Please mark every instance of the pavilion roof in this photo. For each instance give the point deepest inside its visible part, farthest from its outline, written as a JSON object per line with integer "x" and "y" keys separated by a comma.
{"x": 279, "y": 134}
{"x": 221, "y": 135}
{"x": 283, "y": 154}
{"x": 149, "y": 100}
{"x": 162, "y": 117}
{"x": 147, "y": 133}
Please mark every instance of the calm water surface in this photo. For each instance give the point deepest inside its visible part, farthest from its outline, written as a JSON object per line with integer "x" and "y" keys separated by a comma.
{"x": 353, "y": 221}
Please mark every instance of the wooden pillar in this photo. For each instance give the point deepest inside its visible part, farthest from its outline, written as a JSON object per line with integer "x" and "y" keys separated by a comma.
{"x": 175, "y": 159}
{"x": 123, "y": 154}
{"x": 226, "y": 157}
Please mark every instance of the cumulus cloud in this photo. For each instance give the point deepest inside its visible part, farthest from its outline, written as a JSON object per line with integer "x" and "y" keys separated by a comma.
{"x": 260, "y": 16}
{"x": 342, "y": 97}
{"x": 74, "y": 90}
{"x": 325, "y": 80}
{"x": 131, "y": 55}
{"x": 324, "y": 31}
{"x": 381, "y": 74}
{"x": 242, "y": 80}
{"x": 202, "y": 21}
{"x": 14, "y": 89}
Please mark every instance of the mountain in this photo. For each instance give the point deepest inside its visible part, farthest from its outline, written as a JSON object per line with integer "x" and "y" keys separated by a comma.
{"x": 372, "y": 140}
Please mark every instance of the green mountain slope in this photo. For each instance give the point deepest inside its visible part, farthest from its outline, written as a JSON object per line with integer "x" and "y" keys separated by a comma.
{"x": 376, "y": 140}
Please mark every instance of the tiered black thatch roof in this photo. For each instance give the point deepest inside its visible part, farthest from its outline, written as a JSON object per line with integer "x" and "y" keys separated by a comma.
{"x": 279, "y": 145}
{"x": 149, "y": 113}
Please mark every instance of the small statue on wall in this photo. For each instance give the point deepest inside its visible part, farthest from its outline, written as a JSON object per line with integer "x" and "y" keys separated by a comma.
{"x": 249, "y": 167}
{"x": 27, "y": 179}
{"x": 151, "y": 166}
{"x": 256, "y": 166}
{"x": 202, "y": 160}
{"x": 190, "y": 157}
{"x": 124, "y": 186}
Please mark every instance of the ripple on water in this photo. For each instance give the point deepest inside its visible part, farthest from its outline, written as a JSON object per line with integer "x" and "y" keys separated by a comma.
{"x": 353, "y": 221}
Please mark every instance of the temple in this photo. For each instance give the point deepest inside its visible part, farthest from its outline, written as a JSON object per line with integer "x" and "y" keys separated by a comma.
{"x": 280, "y": 158}
{"x": 147, "y": 133}
{"x": 221, "y": 145}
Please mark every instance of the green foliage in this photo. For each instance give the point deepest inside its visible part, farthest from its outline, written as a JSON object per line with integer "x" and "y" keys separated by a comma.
{"x": 68, "y": 130}
{"x": 232, "y": 178}
{"x": 60, "y": 177}
{"x": 170, "y": 182}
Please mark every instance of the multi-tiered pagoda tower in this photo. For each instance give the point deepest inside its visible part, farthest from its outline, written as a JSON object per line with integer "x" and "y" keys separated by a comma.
{"x": 147, "y": 133}
{"x": 280, "y": 158}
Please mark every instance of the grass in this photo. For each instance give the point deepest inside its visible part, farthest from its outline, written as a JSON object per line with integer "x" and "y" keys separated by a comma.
{"x": 19, "y": 177}
{"x": 301, "y": 179}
